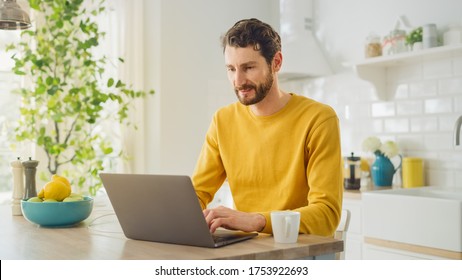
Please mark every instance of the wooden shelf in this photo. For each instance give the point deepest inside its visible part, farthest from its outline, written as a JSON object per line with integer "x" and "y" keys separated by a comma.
{"x": 375, "y": 69}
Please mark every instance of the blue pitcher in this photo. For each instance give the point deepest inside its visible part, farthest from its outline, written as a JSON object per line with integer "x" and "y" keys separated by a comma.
{"x": 382, "y": 170}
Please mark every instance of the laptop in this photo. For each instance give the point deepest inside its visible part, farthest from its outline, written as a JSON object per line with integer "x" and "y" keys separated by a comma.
{"x": 163, "y": 208}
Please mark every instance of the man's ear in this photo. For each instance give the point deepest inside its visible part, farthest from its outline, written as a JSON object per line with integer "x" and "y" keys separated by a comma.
{"x": 277, "y": 62}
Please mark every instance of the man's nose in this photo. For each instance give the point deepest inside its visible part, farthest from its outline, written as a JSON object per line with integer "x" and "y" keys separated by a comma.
{"x": 239, "y": 78}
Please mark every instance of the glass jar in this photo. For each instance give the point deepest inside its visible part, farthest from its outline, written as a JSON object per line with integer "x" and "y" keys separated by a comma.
{"x": 397, "y": 40}
{"x": 373, "y": 46}
{"x": 386, "y": 45}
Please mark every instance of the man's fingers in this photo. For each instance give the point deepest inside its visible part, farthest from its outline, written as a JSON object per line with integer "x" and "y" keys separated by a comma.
{"x": 211, "y": 216}
{"x": 215, "y": 218}
{"x": 216, "y": 223}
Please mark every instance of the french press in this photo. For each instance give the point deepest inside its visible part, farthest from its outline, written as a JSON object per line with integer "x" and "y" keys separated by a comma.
{"x": 352, "y": 172}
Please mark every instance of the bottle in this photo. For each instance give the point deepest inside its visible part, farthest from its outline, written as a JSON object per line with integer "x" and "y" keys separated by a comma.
{"x": 30, "y": 170}
{"x": 352, "y": 172}
{"x": 18, "y": 186}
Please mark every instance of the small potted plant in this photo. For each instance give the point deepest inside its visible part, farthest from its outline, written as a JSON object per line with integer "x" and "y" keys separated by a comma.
{"x": 414, "y": 39}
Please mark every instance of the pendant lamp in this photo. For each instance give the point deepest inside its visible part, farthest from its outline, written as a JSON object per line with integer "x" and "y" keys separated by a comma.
{"x": 12, "y": 17}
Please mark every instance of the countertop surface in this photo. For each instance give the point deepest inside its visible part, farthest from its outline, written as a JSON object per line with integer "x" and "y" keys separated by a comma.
{"x": 100, "y": 237}
{"x": 356, "y": 194}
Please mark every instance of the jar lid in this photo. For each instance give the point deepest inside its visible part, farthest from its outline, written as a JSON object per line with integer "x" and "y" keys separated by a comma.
{"x": 412, "y": 159}
{"x": 373, "y": 37}
{"x": 397, "y": 32}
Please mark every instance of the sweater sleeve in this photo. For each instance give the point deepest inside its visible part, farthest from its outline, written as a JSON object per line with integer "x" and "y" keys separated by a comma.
{"x": 209, "y": 173}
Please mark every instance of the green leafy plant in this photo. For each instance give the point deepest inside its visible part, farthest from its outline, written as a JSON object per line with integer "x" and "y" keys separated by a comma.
{"x": 414, "y": 36}
{"x": 63, "y": 109}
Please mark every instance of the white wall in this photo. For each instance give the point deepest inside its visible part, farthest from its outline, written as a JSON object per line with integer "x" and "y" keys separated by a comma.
{"x": 185, "y": 66}
{"x": 343, "y": 25}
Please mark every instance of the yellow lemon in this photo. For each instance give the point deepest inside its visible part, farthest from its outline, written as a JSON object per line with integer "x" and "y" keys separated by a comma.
{"x": 41, "y": 194}
{"x": 57, "y": 190}
{"x": 56, "y": 177}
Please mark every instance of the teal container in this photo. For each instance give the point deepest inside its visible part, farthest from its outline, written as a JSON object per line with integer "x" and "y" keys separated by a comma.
{"x": 383, "y": 170}
{"x": 57, "y": 214}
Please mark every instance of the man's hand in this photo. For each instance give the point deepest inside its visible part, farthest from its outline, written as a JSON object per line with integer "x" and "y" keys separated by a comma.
{"x": 233, "y": 219}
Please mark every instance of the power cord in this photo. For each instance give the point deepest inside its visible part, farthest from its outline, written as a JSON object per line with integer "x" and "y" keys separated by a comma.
{"x": 93, "y": 225}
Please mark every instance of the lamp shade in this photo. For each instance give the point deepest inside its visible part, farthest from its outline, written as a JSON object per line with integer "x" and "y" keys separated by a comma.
{"x": 12, "y": 17}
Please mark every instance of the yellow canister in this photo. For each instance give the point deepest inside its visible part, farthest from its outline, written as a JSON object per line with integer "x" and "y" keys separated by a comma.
{"x": 413, "y": 175}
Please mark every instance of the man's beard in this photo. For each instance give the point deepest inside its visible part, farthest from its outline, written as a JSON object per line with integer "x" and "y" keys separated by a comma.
{"x": 260, "y": 91}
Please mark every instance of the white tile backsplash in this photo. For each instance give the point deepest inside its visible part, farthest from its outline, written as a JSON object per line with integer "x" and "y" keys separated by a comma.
{"x": 441, "y": 141}
{"x": 420, "y": 114}
{"x": 447, "y": 123}
{"x": 398, "y": 125}
{"x": 440, "y": 177}
{"x": 383, "y": 109}
{"x": 458, "y": 103}
{"x": 425, "y": 124}
{"x": 409, "y": 107}
{"x": 438, "y": 105}
{"x": 411, "y": 143}
{"x": 439, "y": 68}
{"x": 457, "y": 66}
{"x": 423, "y": 88}
{"x": 450, "y": 86}
{"x": 402, "y": 91}
{"x": 402, "y": 73}
{"x": 377, "y": 126}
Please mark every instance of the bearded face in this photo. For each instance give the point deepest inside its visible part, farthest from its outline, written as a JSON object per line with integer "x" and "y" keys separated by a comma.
{"x": 260, "y": 90}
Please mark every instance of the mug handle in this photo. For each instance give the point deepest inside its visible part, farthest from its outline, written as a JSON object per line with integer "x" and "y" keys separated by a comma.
{"x": 287, "y": 226}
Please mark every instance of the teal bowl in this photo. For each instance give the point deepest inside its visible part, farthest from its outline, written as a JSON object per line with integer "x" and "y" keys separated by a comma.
{"x": 57, "y": 214}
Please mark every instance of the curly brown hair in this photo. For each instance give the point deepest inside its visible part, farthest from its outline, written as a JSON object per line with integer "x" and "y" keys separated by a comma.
{"x": 253, "y": 32}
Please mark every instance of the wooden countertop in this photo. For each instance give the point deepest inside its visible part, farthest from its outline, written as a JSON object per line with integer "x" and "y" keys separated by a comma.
{"x": 352, "y": 194}
{"x": 100, "y": 237}
{"x": 414, "y": 248}
{"x": 356, "y": 194}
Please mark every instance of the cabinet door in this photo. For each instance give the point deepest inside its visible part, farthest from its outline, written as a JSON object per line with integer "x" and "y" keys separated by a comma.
{"x": 373, "y": 252}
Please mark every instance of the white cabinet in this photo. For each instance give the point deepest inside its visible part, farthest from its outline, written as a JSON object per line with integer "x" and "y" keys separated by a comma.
{"x": 375, "y": 252}
{"x": 377, "y": 69}
{"x": 354, "y": 237}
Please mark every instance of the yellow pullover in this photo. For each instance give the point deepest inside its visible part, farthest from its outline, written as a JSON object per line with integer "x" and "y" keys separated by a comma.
{"x": 290, "y": 160}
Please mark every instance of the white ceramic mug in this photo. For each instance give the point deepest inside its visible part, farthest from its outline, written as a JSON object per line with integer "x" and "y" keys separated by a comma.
{"x": 285, "y": 226}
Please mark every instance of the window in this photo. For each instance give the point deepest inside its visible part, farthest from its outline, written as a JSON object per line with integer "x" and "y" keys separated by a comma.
{"x": 8, "y": 113}
{"x": 9, "y": 102}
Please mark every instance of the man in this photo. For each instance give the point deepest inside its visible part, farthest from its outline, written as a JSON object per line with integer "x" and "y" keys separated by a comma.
{"x": 278, "y": 150}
